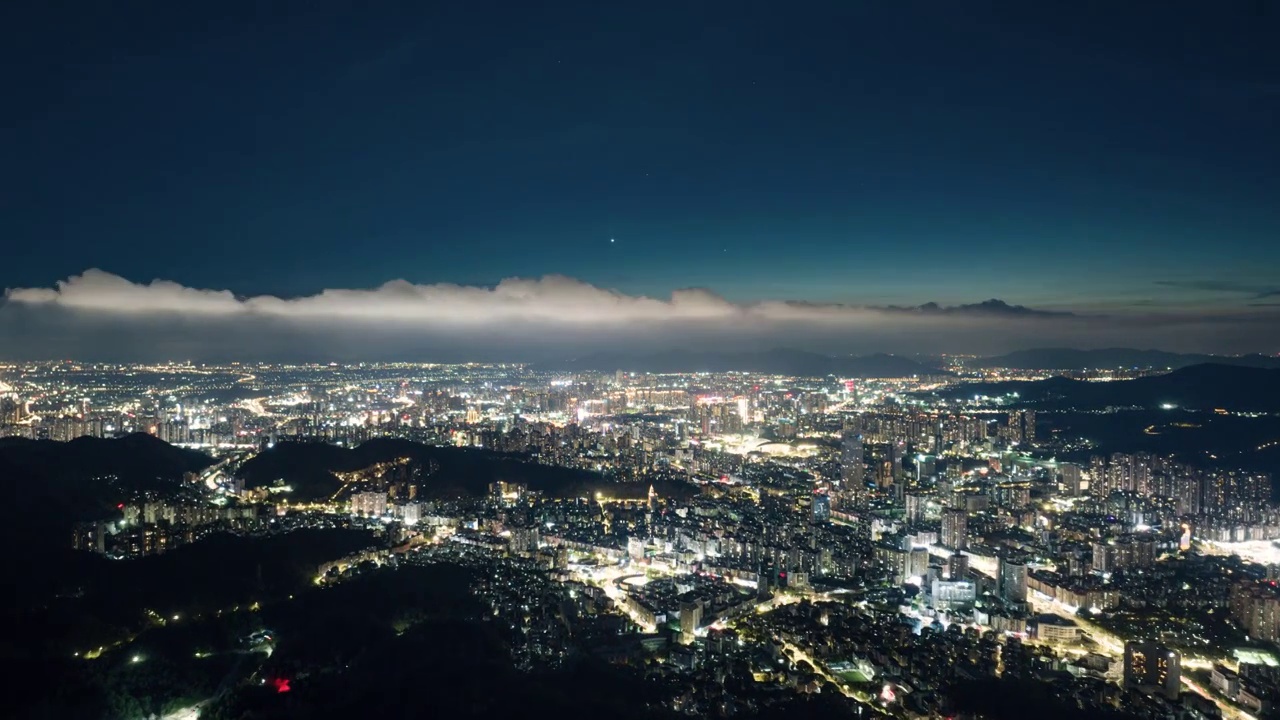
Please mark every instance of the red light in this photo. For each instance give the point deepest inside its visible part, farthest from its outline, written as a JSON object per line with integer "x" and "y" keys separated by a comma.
{"x": 282, "y": 685}
{"x": 120, "y": 506}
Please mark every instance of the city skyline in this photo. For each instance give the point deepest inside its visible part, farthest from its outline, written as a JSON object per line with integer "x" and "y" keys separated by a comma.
{"x": 887, "y": 545}
{"x": 841, "y": 359}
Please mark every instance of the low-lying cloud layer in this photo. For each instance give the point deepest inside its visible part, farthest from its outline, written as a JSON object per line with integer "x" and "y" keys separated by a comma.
{"x": 553, "y": 299}
{"x": 98, "y": 315}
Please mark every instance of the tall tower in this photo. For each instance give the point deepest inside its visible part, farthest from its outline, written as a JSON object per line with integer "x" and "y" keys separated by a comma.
{"x": 955, "y": 522}
{"x": 652, "y": 509}
{"x": 1153, "y": 667}
{"x": 853, "y": 467}
{"x": 820, "y": 507}
{"x": 1012, "y": 578}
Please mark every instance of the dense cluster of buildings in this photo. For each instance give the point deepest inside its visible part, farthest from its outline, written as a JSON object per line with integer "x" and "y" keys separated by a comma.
{"x": 801, "y": 503}
{"x": 152, "y": 527}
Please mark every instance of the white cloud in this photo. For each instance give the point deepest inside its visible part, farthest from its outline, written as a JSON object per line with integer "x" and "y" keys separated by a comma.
{"x": 552, "y": 298}
{"x": 101, "y": 291}
{"x": 98, "y": 311}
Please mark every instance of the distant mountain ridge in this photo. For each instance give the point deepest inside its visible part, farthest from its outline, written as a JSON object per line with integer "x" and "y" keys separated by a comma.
{"x": 994, "y": 306}
{"x": 774, "y": 362}
{"x": 1199, "y": 387}
{"x": 1113, "y": 358}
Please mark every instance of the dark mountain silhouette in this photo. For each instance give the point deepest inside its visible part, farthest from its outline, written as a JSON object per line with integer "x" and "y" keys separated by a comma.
{"x": 774, "y": 362}
{"x": 1198, "y": 387}
{"x": 116, "y": 605}
{"x": 993, "y": 307}
{"x": 1112, "y": 358}
{"x": 133, "y": 456}
{"x": 447, "y": 471}
{"x": 55, "y": 484}
{"x": 48, "y": 487}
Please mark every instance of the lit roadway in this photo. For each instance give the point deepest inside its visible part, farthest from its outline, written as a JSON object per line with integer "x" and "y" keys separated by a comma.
{"x": 607, "y": 578}
{"x": 798, "y": 654}
{"x": 1113, "y": 646}
{"x": 255, "y": 406}
{"x": 212, "y": 475}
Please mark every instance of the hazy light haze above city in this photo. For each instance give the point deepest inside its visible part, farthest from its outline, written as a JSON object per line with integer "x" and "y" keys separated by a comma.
{"x": 497, "y": 181}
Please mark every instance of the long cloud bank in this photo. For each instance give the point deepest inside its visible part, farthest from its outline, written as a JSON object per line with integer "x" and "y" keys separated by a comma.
{"x": 552, "y": 299}
{"x": 101, "y": 315}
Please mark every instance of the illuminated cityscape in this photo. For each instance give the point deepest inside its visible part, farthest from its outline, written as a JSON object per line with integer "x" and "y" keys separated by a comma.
{"x": 756, "y": 361}
{"x": 719, "y": 525}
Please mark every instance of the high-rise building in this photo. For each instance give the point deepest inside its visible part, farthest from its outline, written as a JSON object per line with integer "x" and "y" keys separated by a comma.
{"x": 853, "y": 468}
{"x": 1152, "y": 667}
{"x": 1012, "y": 578}
{"x": 1073, "y": 482}
{"x": 958, "y": 567}
{"x": 1135, "y": 551}
{"x": 1012, "y": 494}
{"x": 1104, "y": 556}
{"x": 916, "y": 504}
{"x": 690, "y": 619}
{"x": 955, "y": 525}
{"x": 1120, "y": 472}
{"x": 904, "y": 562}
{"x": 369, "y": 504}
{"x": 821, "y": 506}
{"x": 1141, "y": 470}
{"x": 1099, "y": 477}
{"x": 1186, "y": 489}
{"x": 1256, "y": 607}
{"x": 1234, "y": 492}
{"x": 411, "y": 513}
{"x": 1022, "y": 426}
{"x": 523, "y": 539}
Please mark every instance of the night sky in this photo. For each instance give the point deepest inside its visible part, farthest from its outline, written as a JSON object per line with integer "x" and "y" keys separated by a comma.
{"x": 1103, "y": 158}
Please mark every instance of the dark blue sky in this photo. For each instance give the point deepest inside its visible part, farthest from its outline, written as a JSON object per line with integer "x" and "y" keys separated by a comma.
{"x": 1082, "y": 154}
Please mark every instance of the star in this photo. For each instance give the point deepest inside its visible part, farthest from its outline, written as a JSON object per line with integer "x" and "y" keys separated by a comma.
{"x": 610, "y": 239}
